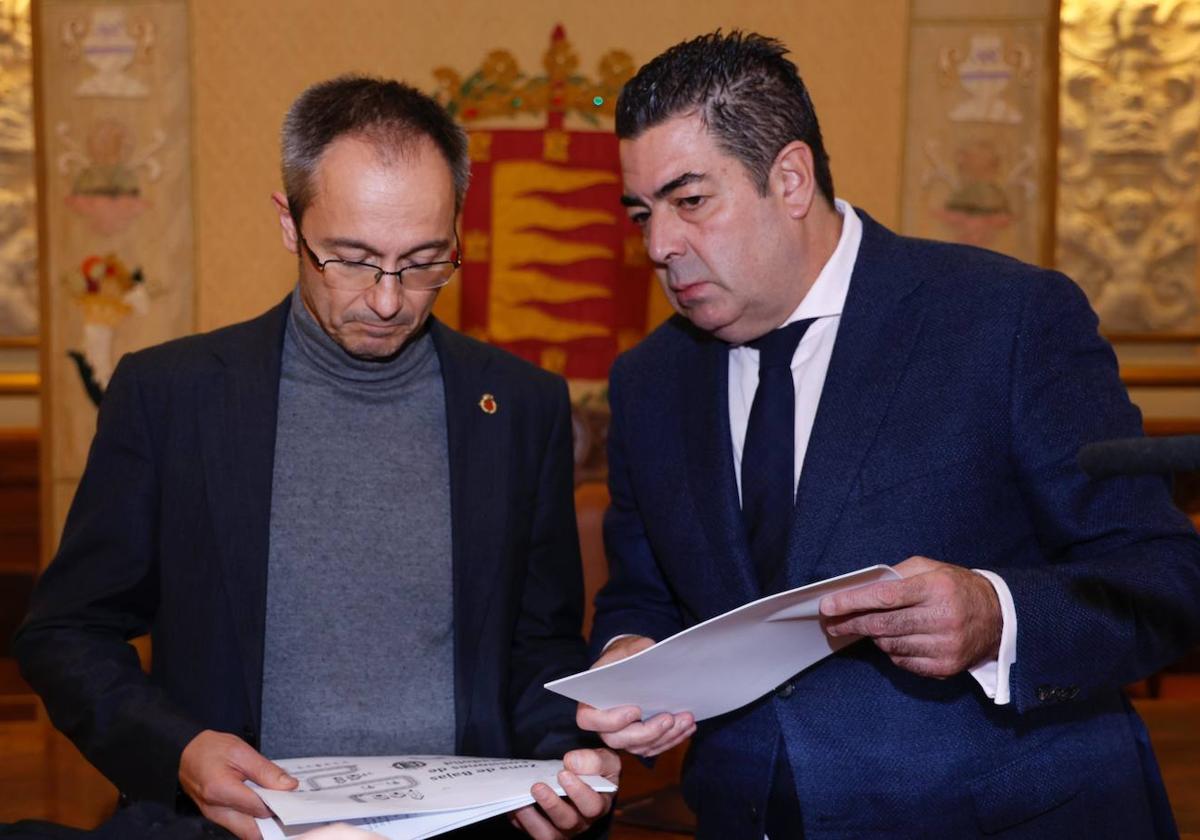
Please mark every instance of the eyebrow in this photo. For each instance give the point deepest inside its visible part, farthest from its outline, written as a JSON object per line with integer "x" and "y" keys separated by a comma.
{"x": 359, "y": 245}
{"x": 666, "y": 189}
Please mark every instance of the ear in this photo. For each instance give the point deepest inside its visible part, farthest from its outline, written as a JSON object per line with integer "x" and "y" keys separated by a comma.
{"x": 287, "y": 224}
{"x": 793, "y": 179}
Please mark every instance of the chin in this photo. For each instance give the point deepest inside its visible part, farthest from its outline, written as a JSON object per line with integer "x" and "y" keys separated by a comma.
{"x": 705, "y": 318}
{"x": 372, "y": 349}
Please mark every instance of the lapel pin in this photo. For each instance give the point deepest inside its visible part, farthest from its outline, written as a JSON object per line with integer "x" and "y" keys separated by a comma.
{"x": 488, "y": 403}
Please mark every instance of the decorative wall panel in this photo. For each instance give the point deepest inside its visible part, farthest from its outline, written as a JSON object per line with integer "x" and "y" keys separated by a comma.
{"x": 1129, "y": 160}
{"x": 114, "y": 88}
{"x": 977, "y": 156}
{"x": 18, "y": 224}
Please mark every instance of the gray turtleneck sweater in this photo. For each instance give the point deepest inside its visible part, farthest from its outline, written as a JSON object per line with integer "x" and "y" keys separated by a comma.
{"x": 359, "y": 651}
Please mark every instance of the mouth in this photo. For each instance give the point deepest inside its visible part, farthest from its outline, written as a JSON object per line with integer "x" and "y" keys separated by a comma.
{"x": 686, "y": 293}
{"x": 380, "y": 330}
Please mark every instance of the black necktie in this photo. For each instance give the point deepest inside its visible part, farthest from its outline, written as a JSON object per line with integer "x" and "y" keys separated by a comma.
{"x": 768, "y": 456}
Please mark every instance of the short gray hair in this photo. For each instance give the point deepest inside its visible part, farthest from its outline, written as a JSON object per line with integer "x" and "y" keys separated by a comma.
{"x": 390, "y": 114}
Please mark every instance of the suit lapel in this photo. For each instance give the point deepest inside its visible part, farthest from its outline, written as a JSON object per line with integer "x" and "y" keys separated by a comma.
{"x": 238, "y": 456}
{"x": 711, "y": 479}
{"x": 478, "y": 478}
{"x": 879, "y": 327}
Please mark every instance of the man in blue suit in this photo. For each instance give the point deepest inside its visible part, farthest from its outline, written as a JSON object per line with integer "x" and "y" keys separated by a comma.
{"x": 830, "y": 396}
{"x": 348, "y": 529}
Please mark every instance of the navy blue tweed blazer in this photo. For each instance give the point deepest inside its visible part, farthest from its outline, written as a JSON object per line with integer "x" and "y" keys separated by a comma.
{"x": 961, "y": 388}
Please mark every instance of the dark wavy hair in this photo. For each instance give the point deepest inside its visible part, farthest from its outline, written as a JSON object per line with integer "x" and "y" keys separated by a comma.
{"x": 750, "y": 97}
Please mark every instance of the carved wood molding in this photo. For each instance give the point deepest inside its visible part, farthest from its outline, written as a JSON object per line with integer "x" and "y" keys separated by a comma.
{"x": 19, "y": 384}
{"x": 1153, "y": 337}
{"x": 1128, "y": 174}
{"x": 1162, "y": 426}
{"x": 1161, "y": 376}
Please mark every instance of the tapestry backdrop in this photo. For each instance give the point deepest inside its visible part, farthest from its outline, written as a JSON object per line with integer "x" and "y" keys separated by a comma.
{"x": 114, "y": 98}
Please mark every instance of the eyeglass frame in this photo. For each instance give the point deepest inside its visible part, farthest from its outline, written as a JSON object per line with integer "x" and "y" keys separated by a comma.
{"x": 380, "y": 273}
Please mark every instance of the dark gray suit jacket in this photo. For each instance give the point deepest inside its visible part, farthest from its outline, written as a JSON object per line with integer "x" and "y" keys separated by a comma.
{"x": 168, "y": 535}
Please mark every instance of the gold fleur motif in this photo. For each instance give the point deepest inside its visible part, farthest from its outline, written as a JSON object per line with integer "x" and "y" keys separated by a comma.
{"x": 479, "y": 146}
{"x": 476, "y": 246}
{"x": 556, "y": 146}
{"x": 635, "y": 252}
{"x": 554, "y": 359}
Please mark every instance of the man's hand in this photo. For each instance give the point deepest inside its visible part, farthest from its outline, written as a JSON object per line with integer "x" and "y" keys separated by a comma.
{"x": 554, "y": 817}
{"x": 211, "y": 771}
{"x": 937, "y": 622}
{"x": 622, "y": 727}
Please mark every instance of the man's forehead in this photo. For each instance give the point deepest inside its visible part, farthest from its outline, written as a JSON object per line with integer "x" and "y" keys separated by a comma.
{"x": 352, "y": 155}
{"x": 668, "y": 137}
{"x": 664, "y": 153}
{"x": 355, "y": 170}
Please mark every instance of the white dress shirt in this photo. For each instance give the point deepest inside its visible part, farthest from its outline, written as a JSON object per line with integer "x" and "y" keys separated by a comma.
{"x": 824, "y": 303}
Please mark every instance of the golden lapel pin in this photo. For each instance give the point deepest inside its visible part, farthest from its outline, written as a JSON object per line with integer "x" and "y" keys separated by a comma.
{"x": 488, "y": 403}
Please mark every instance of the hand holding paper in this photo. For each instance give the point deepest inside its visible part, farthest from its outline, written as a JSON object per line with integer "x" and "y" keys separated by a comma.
{"x": 410, "y": 797}
{"x": 622, "y": 728}
{"x": 712, "y": 668}
{"x": 938, "y": 621}
{"x": 582, "y": 806}
{"x": 212, "y": 771}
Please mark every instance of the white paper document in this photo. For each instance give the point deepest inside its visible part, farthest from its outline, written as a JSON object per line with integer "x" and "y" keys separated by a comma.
{"x": 411, "y": 827}
{"x": 415, "y": 795}
{"x": 726, "y": 662}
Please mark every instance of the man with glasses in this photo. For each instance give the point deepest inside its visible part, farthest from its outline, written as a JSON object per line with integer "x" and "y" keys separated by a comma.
{"x": 348, "y": 528}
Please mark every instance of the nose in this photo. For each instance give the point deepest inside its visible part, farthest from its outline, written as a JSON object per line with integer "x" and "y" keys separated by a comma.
{"x": 386, "y": 297}
{"x": 664, "y": 238}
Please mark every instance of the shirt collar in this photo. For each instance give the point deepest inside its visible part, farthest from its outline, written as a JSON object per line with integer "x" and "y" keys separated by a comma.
{"x": 827, "y": 297}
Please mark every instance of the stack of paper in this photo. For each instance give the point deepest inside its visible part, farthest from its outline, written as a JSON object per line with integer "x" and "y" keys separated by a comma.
{"x": 405, "y": 797}
{"x": 725, "y": 662}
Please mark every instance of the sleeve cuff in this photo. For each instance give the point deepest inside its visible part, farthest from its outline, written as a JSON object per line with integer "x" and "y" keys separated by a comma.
{"x": 613, "y": 640}
{"x": 992, "y": 674}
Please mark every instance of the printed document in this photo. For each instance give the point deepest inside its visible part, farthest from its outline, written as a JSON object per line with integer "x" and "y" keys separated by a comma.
{"x": 409, "y": 796}
{"x": 725, "y": 662}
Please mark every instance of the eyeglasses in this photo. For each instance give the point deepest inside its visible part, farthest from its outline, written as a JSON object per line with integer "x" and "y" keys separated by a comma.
{"x": 354, "y": 276}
